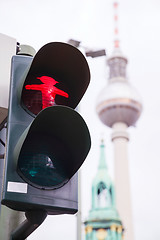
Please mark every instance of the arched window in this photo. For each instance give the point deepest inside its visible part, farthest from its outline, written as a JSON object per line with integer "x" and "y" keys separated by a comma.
{"x": 103, "y": 194}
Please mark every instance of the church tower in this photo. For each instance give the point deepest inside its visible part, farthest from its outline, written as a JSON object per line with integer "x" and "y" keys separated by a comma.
{"x": 103, "y": 222}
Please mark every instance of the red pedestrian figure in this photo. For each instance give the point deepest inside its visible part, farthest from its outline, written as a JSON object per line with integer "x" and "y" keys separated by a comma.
{"x": 49, "y": 91}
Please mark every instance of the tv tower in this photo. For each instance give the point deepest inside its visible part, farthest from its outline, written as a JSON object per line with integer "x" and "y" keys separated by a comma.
{"x": 119, "y": 107}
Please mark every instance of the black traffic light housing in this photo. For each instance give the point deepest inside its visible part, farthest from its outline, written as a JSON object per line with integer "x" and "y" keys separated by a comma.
{"x": 59, "y": 137}
{"x": 46, "y": 147}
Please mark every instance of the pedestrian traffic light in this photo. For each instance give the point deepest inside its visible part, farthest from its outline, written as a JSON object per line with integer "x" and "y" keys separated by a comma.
{"x": 47, "y": 140}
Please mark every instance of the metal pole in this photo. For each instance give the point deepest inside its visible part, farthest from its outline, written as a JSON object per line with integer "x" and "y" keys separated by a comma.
{"x": 79, "y": 220}
{"x": 33, "y": 220}
{"x": 9, "y": 219}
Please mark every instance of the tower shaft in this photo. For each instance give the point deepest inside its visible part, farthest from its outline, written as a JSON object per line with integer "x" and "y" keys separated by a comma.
{"x": 120, "y": 140}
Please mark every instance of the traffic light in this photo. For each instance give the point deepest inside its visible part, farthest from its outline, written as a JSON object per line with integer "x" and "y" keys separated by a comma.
{"x": 47, "y": 140}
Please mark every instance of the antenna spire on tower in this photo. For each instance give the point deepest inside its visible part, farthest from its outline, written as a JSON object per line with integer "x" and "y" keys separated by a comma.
{"x": 116, "y": 32}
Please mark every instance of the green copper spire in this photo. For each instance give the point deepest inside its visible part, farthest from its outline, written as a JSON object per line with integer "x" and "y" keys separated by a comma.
{"x": 103, "y": 217}
{"x": 103, "y": 194}
{"x": 102, "y": 160}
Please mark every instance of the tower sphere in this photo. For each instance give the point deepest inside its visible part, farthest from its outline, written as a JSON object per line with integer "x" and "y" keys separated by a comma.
{"x": 119, "y": 102}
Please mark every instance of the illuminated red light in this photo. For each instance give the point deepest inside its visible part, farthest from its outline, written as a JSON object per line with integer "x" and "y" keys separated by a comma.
{"x": 48, "y": 90}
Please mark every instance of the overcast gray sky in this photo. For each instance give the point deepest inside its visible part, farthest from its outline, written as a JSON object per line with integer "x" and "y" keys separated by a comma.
{"x": 91, "y": 21}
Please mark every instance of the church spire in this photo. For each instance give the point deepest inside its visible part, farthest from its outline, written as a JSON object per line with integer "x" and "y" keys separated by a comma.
{"x": 103, "y": 196}
{"x": 102, "y": 160}
{"x": 103, "y": 217}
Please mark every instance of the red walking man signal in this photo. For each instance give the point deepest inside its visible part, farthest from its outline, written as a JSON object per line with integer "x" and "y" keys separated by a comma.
{"x": 49, "y": 91}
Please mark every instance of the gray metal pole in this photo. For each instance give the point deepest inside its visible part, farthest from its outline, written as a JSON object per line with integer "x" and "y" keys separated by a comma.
{"x": 9, "y": 219}
{"x": 79, "y": 214}
{"x": 33, "y": 220}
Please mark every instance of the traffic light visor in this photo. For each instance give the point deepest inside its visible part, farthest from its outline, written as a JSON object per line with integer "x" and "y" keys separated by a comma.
{"x": 58, "y": 75}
